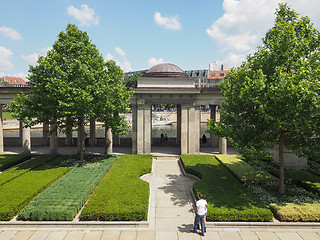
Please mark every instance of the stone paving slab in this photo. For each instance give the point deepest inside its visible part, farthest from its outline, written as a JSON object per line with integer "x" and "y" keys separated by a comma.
{"x": 40, "y": 235}
{"x": 110, "y": 235}
{"x": 75, "y": 235}
{"x": 288, "y": 236}
{"x": 267, "y": 236}
{"x": 248, "y": 235}
{"x": 22, "y": 235}
{"x": 309, "y": 235}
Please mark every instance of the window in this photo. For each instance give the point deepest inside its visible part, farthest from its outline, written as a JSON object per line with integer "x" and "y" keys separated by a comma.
{"x": 221, "y": 74}
{"x": 213, "y": 75}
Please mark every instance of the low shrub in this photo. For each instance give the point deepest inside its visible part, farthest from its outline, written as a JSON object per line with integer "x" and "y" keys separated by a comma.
{"x": 19, "y": 191}
{"x": 23, "y": 168}
{"x": 243, "y": 171}
{"x": 305, "y": 179}
{"x": 10, "y": 160}
{"x": 290, "y": 212}
{"x": 122, "y": 195}
{"x": 228, "y": 199}
{"x": 64, "y": 198}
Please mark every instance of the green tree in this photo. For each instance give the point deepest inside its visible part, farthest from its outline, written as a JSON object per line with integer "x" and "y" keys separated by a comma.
{"x": 132, "y": 81}
{"x": 66, "y": 85}
{"x": 112, "y": 101}
{"x": 274, "y": 96}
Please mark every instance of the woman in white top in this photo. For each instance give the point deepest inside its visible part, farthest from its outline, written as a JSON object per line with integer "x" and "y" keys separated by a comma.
{"x": 201, "y": 212}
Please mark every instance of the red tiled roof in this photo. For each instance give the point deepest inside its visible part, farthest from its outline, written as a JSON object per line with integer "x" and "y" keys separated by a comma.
{"x": 218, "y": 74}
{"x": 14, "y": 80}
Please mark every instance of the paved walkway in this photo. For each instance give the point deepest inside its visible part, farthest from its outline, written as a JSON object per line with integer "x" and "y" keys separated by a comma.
{"x": 170, "y": 218}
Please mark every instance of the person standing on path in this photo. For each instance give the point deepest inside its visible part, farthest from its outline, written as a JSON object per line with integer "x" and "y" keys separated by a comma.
{"x": 201, "y": 211}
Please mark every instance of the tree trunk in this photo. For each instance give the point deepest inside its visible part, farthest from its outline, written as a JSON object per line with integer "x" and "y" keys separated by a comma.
{"x": 281, "y": 163}
{"x": 108, "y": 146}
{"x": 81, "y": 140}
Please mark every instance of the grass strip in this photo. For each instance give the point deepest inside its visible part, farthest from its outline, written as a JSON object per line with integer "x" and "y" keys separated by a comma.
{"x": 229, "y": 200}
{"x": 64, "y": 198}
{"x": 122, "y": 195}
{"x": 23, "y": 168}
{"x": 10, "y": 160}
{"x": 243, "y": 171}
{"x": 18, "y": 192}
{"x": 290, "y": 212}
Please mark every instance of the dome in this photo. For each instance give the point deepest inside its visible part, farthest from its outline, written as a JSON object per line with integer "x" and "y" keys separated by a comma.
{"x": 166, "y": 70}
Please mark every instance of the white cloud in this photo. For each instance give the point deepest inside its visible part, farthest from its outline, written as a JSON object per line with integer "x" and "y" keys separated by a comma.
{"x": 85, "y": 15}
{"x": 125, "y": 64}
{"x": 120, "y": 51}
{"x": 168, "y": 22}
{"x": 244, "y": 23}
{"x": 9, "y": 32}
{"x": 32, "y": 58}
{"x": 153, "y": 61}
{"x": 5, "y": 55}
{"x": 45, "y": 50}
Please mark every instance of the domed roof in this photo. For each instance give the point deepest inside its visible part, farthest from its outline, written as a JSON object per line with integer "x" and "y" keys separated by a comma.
{"x": 166, "y": 70}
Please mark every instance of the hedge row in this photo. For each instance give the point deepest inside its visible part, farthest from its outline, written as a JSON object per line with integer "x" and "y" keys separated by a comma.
{"x": 64, "y": 199}
{"x": 305, "y": 179}
{"x": 228, "y": 199}
{"x": 243, "y": 171}
{"x": 290, "y": 212}
{"x": 18, "y": 192}
{"x": 10, "y": 160}
{"x": 122, "y": 195}
{"x": 23, "y": 168}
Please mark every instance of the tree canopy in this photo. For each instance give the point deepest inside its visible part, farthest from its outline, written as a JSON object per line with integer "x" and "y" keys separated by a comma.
{"x": 274, "y": 96}
{"x": 70, "y": 85}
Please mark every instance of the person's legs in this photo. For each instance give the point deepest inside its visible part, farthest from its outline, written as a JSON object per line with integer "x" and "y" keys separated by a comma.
{"x": 196, "y": 220}
{"x": 205, "y": 223}
{"x": 202, "y": 224}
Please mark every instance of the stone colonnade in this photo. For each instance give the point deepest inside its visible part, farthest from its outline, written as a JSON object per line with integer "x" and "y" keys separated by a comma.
{"x": 188, "y": 129}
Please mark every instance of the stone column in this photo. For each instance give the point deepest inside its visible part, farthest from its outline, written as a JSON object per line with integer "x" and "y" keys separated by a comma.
{"x": 45, "y": 134}
{"x": 190, "y": 129}
{"x": 178, "y": 124}
{"x": 108, "y": 137}
{"x": 53, "y": 139}
{"x": 213, "y": 116}
{"x": 223, "y": 146}
{"x": 26, "y": 140}
{"x": 1, "y": 132}
{"x": 184, "y": 138}
{"x": 92, "y": 132}
{"x": 134, "y": 129}
{"x": 141, "y": 129}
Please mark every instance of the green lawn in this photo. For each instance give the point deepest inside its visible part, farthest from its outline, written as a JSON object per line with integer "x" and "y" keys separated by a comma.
{"x": 229, "y": 200}
{"x": 122, "y": 195}
{"x": 10, "y": 160}
{"x": 64, "y": 199}
{"x": 16, "y": 193}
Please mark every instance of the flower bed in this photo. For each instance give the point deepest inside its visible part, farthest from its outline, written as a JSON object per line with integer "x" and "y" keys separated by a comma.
{"x": 290, "y": 212}
{"x": 23, "y": 168}
{"x": 19, "y": 191}
{"x": 229, "y": 200}
{"x": 63, "y": 199}
{"x": 122, "y": 195}
{"x": 243, "y": 171}
{"x": 9, "y": 160}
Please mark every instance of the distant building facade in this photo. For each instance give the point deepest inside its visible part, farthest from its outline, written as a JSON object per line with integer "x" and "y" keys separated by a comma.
{"x": 14, "y": 81}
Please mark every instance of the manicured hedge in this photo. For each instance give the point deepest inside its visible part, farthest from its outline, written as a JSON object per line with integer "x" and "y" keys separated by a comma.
{"x": 9, "y": 160}
{"x": 305, "y": 179}
{"x": 229, "y": 200}
{"x": 290, "y": 212}
{"x": 243, "y": 171}
{"x": 23, "y": 168}
{"x": 18, "y": 192}
{"x": 64, "y": 199}
{"x": 122, "y": 195}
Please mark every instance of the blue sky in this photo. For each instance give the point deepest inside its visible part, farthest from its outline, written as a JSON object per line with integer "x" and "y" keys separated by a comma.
{"x": 139, "y": 34}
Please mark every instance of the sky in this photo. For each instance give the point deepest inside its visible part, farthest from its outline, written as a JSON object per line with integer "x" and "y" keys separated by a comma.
{"x": 142, "y": 33}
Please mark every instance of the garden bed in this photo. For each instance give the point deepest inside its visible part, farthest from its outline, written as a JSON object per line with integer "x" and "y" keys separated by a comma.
{"x": 122, "y": 195}
{"x": 228, "y": 199}
{"x": 23, "y": 168}
{"x": 64, "y": 199}
{"x": 10, "y": 160}
{"x": 16, "y": 193}
{"x": 243, "y": 171}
